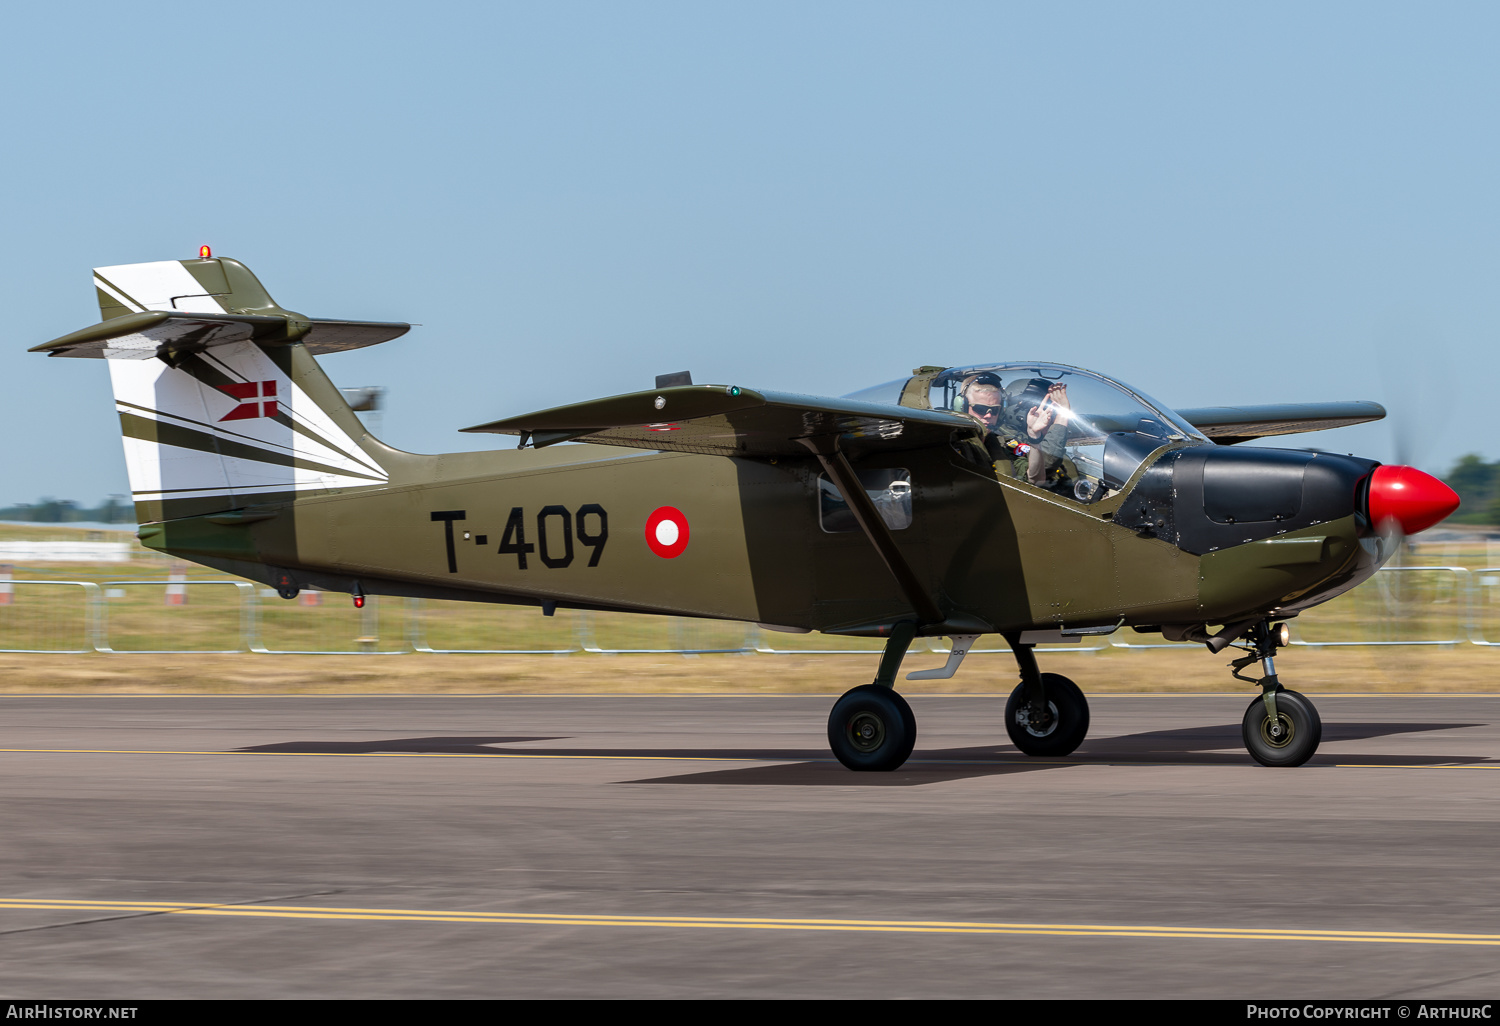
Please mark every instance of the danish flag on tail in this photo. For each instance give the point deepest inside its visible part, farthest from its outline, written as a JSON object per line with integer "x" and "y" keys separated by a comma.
{"x": 259, "y": 391}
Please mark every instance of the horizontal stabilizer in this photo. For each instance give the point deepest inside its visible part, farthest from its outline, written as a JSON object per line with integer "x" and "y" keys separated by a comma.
{"x": 340, "y": 336}
{"x": 172, "y": 307}
{"x": 142, "y": 336}
{"x": 736, "y": 421}
{"x": 1230, "y": 424}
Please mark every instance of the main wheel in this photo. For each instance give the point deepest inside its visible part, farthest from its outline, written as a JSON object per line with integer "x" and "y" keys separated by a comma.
{"x": 1294, "y": 737}
{"x": 871, "y": 728}
{"x": 1065, "y": 727}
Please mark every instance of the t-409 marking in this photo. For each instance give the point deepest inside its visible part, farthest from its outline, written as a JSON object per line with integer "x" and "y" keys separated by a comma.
{"x": 556, "y": 528}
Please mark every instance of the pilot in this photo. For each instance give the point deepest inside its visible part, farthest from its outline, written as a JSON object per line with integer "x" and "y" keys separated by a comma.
{"x": 980, "y": 397}
{"x": 1035, "y": 425}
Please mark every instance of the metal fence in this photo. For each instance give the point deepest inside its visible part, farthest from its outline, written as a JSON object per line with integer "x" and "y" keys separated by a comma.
{"x": 1405, "y": 605}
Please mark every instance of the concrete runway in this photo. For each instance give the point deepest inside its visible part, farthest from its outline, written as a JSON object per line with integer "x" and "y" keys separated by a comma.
{"x": 709, "y": 847}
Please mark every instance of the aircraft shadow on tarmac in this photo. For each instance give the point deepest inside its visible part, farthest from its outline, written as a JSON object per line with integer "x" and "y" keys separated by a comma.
{"x": 1219, "y": 745}
{"x": 1188, "y": 746}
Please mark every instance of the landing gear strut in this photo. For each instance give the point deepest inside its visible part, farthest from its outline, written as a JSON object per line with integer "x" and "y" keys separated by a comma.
{"x": 1046, "y": 713}
{"x": 1280, "y": 728}
{"x": 872, "y": 727}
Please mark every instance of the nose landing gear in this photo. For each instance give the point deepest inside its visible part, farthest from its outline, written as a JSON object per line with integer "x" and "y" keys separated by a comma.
{"x": 1280, "y": 728}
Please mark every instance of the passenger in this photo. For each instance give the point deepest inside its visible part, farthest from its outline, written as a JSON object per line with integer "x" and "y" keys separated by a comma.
{"x": 1036, "y": 427}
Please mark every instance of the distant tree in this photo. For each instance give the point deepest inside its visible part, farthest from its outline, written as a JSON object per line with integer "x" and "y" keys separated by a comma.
{"x": 54, "y": 511}
{"x": 1478, "y": 486}
{"x": 113, "y": 510}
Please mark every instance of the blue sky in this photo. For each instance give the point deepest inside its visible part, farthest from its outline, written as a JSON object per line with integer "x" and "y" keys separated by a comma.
{"x": 1218, "y": 203}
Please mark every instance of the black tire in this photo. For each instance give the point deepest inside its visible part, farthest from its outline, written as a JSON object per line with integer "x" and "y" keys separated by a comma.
{"x": 871, "y": 728}
{"x": 1069, "y": 726}
{"x": 1299, "y": 721}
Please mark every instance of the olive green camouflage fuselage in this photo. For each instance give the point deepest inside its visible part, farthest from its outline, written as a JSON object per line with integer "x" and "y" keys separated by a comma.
{"x": 567, "y": 525}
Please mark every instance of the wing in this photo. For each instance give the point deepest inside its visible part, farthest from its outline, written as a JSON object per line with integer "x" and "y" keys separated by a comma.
{"x": 1230, "y": 424}
{"x": 733, "y": 421}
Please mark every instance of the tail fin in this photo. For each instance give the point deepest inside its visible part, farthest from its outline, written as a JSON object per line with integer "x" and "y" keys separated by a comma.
{"x": 213, "y": 286}
{"x": 221, "y": 403}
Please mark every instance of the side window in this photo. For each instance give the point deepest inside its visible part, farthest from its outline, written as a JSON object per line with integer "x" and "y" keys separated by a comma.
{"x": 889, "y": 490}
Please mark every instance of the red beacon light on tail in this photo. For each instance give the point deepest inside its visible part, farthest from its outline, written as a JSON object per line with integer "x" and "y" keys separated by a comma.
{"x": 1411, "y": 498}
{"x": 204, "y": 253}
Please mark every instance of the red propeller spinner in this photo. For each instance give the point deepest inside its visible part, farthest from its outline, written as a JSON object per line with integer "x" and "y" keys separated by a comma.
{"x": 1413, "y": 499}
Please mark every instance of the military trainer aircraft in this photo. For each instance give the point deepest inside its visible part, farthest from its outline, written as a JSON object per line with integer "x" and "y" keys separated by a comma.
{"x": 1038, "y": 501}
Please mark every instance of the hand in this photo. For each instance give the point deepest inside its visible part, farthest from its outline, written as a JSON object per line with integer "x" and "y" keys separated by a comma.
{"x": 1040, "y": 418}
{"x": 1057, "y": 397}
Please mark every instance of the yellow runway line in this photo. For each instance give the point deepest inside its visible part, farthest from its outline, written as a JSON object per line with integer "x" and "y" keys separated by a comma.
{"x": 1447, "y": 766}
{"x": 322, "y": 913}
{"x": 395, "y": 755}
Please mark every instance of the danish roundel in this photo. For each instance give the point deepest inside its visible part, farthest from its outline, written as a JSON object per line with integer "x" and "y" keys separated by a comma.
{"x": 667, "y": 532}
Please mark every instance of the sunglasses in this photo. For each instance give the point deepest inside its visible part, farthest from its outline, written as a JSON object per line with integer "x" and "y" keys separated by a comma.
{"x": 984, "y": 411}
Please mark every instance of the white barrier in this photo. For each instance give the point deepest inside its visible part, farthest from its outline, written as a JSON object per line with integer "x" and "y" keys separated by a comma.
{"x": 86, "y": 624}
{"x": 26, "y": 627}
{"x": 64, "y": 552}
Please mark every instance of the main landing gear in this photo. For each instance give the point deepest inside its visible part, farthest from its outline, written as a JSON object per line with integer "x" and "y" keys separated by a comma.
{"x": 1046, "y": 714}
{"x": 1280, "y": 728}
{"x": 872, "y": 727}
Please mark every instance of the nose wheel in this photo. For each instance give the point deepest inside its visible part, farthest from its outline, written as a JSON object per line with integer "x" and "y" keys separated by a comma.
{"x": 1288, "y": 740}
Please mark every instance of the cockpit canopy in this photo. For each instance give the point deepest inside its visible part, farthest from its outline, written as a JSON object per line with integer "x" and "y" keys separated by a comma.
{"x": 1098, "y": 432}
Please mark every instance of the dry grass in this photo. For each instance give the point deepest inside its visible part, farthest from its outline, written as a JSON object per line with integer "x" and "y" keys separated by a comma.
{"x": 1460, "y": 670}
{"x": 1394, "y": 607}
